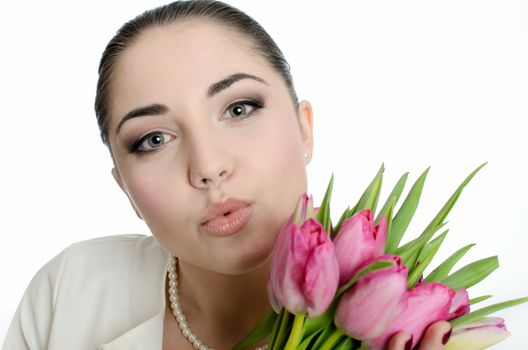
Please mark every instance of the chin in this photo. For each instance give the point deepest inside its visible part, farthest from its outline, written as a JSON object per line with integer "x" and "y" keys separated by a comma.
{"x": 248, "y": 258}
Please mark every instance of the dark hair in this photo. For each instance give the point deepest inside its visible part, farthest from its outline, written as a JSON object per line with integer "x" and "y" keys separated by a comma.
{"x": 182, "y": 10}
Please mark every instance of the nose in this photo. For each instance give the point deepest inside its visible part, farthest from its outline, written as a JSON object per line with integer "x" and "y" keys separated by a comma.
{"x": 210, "y": 161}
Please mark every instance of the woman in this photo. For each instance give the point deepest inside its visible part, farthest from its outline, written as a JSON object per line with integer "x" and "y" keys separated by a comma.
{"x": 197, "y": 107}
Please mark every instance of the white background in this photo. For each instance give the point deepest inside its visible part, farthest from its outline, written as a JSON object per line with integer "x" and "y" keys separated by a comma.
{"x": 410, "y": 84}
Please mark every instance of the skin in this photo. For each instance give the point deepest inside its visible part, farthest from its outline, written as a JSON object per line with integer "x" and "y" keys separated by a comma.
{"x": 208, "y": 154}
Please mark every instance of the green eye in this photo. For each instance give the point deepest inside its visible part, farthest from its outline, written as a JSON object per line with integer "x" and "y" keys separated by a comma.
{"x": 155, "y": 140}
{"x": 243, "y": 109}
{"x": 151, "y": 142}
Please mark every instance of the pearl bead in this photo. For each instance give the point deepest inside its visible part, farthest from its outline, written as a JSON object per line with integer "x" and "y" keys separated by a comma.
{"x": 178, "y": 313}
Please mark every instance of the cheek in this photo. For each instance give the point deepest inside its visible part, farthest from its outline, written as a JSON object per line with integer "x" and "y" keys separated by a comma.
{"x": 281, "y": 167}
{"x": 147, "y": 194}
{"x": 284, "y": 155}
{"x": 152, "y": 192}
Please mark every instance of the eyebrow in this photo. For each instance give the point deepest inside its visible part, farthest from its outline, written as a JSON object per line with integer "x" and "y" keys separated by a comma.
{"x": 153, "y": 109}
{"x": 230, "y": 80}
{"x": 160, "y": 109}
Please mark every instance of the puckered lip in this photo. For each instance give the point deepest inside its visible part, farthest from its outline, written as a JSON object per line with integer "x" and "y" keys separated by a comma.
{"x": 220, "y": 208}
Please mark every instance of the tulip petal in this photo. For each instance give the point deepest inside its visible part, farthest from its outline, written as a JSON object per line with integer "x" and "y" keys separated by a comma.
{"x": 282, "y": 268}
{"x": 421, "y": 306}
{"x": 303, "y": 210}
{"x": 459, "y": 304}
{"x": 304, "y": 271}
{"x": 321, "y": 270}
{"x": 291, "y": 294}
{"x": 358, "y": 242}
{"x": 275, "y": 303}
{"x": 380, "y": 236}
{"x": 478, "y": 335}
{"x": 370, "y": 305}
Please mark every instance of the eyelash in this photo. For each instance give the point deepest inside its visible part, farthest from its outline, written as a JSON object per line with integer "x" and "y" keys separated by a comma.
{"x": 134, "y": 148}
{"x": 255, "y": 104}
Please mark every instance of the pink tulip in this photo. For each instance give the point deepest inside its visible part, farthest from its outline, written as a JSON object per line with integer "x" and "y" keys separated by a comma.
{"x": 304, "y": 273}
{"x": 478, "y": 335}
{"x": 304, "y": 209}
{"x": 419, "y": 307}
{"x": 459, "y": 304}
{"x": 358, "y": 242}
{"x": 371, "y": 304}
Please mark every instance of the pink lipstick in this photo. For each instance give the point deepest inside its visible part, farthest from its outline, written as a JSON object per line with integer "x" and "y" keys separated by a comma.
{"x": 226, "y": 217}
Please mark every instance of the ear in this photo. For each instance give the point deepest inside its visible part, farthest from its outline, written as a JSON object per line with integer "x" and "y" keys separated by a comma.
{"x": 119, "y": 180}
{"x": 306, "y": 123}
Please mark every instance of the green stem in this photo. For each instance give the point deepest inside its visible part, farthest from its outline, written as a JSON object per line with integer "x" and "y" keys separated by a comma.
{"x": 363, "y": 346}
{"x": 332, "y": 341}
{"x": 278, "y": 335}
{"x": 296, "y": 332}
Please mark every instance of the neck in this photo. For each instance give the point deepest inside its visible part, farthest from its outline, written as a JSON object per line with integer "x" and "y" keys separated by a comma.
{"x": 222, "y": 307}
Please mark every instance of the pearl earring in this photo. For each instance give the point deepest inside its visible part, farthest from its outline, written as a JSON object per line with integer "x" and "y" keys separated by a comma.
{"x": 306, "y": 156}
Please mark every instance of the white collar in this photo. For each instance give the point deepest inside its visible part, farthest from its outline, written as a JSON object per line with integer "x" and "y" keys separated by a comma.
{"x": 148, "y": 334}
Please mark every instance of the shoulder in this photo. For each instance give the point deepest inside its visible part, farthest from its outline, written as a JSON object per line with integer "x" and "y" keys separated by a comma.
{"x": 86, "y": 258}
{"x": 121, "y": 242}
{"x": 96, "y": 278}
{"x": 92, "y": 268}
{"x": 118, "y": 249}
{"x": 109, "y": 253}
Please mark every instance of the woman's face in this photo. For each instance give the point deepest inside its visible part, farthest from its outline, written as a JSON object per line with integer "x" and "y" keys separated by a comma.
{"x": 204, "y": 139}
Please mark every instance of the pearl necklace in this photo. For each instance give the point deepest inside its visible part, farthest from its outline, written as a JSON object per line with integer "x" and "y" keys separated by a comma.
{"x": 178, "y": 313}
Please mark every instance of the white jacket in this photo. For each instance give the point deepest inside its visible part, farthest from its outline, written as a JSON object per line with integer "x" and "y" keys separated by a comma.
{"x": 106, "y": 293}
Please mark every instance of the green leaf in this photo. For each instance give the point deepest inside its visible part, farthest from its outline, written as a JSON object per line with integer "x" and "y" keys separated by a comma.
{"x": 332, "y": 341}
{"x": 443, "y": 270}
{"x": 430, "y": 251}
{"x": 478, "y": 314}
{"x": 440, "y": 217}
{"x": 403, "y": 217}
{"x": 479, "y": 299}
{"x": 346, "y": 344}
{"x": 327, "y": 333}
{"x": 471, "y": 274}
{"x": 315, "y": 324}
{"x": 427, "y": 248}
{"x": 261, "y": 330}
{"x": 323, "y": 215}
{"x": 419, "y": 241}
{"x": 409, "y": 252}
{"x": 369, "y": 198}
{"x": 392, "y": 204}
{"x": 281, "y": 327}
{"x": 394, "y": 195}
{"x": 305, "y": 344}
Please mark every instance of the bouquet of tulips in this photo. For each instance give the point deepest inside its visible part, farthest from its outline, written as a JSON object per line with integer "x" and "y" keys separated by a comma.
{"x": 353, "y": 285}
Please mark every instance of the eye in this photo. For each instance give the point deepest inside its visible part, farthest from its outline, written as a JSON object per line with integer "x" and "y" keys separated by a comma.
{"x": 151, "y": 142}
{"x": 243, "y": 109}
